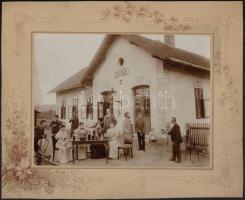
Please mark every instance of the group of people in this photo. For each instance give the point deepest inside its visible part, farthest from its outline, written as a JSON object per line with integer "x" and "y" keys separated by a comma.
{"x": 119, "y": 131}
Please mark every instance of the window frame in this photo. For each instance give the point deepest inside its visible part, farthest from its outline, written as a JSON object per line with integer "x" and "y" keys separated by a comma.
{"x": 142, "y": 95}
{"x": 199, "y": 103}
{"x": 206, "y": 114}
{"x": 89, "y": 106}
{"x": 63, "y": 109}
{"x": 75, "y": 105}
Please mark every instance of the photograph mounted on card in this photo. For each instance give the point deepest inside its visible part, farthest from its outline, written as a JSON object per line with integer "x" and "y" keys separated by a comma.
{"x": 102, "y": 92}
{"x": 148, "y": 105}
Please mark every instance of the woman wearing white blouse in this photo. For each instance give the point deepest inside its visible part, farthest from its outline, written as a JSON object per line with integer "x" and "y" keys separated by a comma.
{"x": 62, "y": 144}
{"x": 114, "y": 143}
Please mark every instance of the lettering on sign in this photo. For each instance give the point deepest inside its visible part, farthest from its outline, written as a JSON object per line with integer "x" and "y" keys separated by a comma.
{"x": 121, "y": 72}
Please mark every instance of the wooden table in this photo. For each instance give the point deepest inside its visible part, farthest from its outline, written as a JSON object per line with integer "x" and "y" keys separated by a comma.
{"x": 76, "y": 143}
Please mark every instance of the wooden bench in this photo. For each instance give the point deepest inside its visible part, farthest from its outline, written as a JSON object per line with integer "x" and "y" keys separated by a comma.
{"x": 197, "y": 138}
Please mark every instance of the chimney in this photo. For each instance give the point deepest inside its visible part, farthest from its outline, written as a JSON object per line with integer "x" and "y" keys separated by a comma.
{"x": 169, "y": 40}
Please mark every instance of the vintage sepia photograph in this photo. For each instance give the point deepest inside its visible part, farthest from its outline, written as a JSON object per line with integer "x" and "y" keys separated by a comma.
{"x": 113, "y": 100}
{"x": 121, "y": 100}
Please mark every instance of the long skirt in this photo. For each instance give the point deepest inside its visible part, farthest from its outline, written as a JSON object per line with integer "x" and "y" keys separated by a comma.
{"x": 64, "y": 154}
{"x": 113, "y": 145}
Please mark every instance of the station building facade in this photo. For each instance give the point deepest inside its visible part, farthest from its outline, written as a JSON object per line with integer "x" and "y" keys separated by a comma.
{"x": 131, "y": 73}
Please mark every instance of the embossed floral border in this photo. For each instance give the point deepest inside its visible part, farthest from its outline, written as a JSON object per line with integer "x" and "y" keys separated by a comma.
{"x": 19, "y": 177}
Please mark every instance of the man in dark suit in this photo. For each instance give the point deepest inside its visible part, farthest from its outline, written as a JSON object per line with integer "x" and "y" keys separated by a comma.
{"x": 55, "y": 125}
{"x": 38, "y": 135}
{"x": 74, "y": 123}
{"x": 176, "y": 139}
{"x": 140, "y": 126}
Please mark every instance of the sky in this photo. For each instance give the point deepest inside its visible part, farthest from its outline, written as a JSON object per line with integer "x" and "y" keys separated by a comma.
{"x": 57, "y": 56}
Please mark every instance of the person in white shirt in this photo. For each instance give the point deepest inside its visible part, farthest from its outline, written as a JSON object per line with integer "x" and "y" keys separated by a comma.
{"x": 90, "y": 124}
{"x": 62, "y": 144}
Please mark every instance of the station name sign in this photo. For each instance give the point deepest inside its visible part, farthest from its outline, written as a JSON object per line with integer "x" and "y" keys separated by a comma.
{"x": 121, "y": 72}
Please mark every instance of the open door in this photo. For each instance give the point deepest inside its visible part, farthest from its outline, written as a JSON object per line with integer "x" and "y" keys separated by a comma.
{"x": 142, "y": 105}
{"x": 103, "y": 106}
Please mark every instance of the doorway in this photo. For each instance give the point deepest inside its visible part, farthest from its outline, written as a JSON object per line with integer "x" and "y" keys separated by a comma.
{"x": 142, "y": 105}
{"x": 107, "y": 103}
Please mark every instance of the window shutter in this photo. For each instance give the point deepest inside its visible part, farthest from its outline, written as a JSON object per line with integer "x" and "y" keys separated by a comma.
{"x": 199, "y": 101}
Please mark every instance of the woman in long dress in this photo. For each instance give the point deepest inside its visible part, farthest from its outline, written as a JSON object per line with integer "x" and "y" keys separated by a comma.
{"x": 114, "y": 141}
{"x": 62, "y": 144}
{"x": 119, "y": 127}
{"x": 116, "y": 135}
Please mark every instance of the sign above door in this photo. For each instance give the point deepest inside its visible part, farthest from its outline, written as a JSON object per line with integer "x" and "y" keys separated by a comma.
{"x": 121, "y": 72}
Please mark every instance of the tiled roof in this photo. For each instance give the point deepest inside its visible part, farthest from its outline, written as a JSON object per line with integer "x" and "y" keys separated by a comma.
{"x": 155, "y": 48}
{"x": 72, "y": 82}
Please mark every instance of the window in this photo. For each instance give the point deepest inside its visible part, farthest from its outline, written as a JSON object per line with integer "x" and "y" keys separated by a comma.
{"x": 75, "y": 106}
{"x": 142, "y": 100}
{"x": 63, "y": 109}
{"x": 107, "y": 102}
{"x": 83, "y": 111}
{"x": 142, "y": 105}
{"x": 120, "y": 61}
{"x": 199, "y": 101}
{"x": 90, "y": 106}
{"x": 57, "y": 111}
{"x": 100, "y": 110}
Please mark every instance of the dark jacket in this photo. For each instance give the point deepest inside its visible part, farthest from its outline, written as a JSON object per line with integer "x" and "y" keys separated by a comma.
{"x": 140, "y": 125}
{"x": 175, "y": 134}
{"x": 55, "y": 126}
{"x": 38, "y": 134}
{"x": 74, "y": 123}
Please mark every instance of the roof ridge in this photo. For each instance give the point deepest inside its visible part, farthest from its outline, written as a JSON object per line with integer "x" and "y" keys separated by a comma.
{"x": 70, "y": 80}
{"x": 156, "y": 48}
